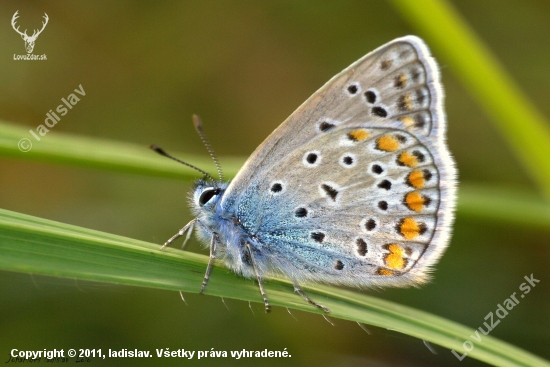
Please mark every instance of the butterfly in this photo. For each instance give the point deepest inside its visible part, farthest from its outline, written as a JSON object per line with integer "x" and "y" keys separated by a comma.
{"x": 356, "y": 188}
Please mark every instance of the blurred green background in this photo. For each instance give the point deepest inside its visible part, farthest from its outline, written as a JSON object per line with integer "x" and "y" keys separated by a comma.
{"x": 244, "y": 66}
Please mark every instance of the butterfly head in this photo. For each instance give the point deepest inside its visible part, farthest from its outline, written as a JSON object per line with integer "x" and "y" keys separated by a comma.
{"x": 206, "y": 195}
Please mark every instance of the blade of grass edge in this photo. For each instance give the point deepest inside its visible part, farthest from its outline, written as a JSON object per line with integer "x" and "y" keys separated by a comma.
{"x": 34, "y": 245}
{"x": 88, "y": 152}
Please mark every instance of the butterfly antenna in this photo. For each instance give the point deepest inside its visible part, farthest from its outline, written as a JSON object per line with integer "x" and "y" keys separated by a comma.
{"x": 160, "y": 151}
{"x": 198, "y": 126}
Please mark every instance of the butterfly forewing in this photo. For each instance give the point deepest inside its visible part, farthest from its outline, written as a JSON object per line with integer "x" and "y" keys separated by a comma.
{"x": 357, "y": 186}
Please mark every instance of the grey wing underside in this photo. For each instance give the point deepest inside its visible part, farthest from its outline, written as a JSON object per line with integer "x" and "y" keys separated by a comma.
{"x": 391, "y": 93}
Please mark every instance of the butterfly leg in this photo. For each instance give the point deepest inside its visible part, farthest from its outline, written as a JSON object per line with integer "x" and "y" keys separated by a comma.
{"x": 260, "y": 284}
{"x": 299, "y": 290}
{"x": 181, "y": 232}
{"x": 213, "y": 247}
{"x": 189, "y": 233}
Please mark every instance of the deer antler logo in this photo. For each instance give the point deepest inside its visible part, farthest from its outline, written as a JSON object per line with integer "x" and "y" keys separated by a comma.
{"x": 29, "y": 40}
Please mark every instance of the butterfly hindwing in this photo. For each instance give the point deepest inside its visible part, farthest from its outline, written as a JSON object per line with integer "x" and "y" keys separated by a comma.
{"x": 343, "y": 208}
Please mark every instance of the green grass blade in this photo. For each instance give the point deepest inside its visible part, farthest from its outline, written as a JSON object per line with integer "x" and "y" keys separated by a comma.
{"x": 34, "y": 245}
{"x": 503, "y": 206}
{"x": 86, "y": 152}
{"x": 521, "y": 124}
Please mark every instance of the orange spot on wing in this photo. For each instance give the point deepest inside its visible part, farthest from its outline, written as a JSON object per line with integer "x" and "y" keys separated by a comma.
{"x": 415, "y": 201}
{"x": 395, "y": 258}
{"x": 409, "y": 228}
{"x": 387, "y": 143}
{"x": 408, "y": 159}
{"x": 408, "y": 121}
{"x": 358, "y": 135}
{"x": 416, "y": 179}
{"x": 406, "y": 102}
{"x": 385, "y": 272}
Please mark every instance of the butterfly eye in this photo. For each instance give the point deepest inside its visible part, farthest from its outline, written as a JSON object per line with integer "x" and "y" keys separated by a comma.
{"x": 207, "y": 195}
